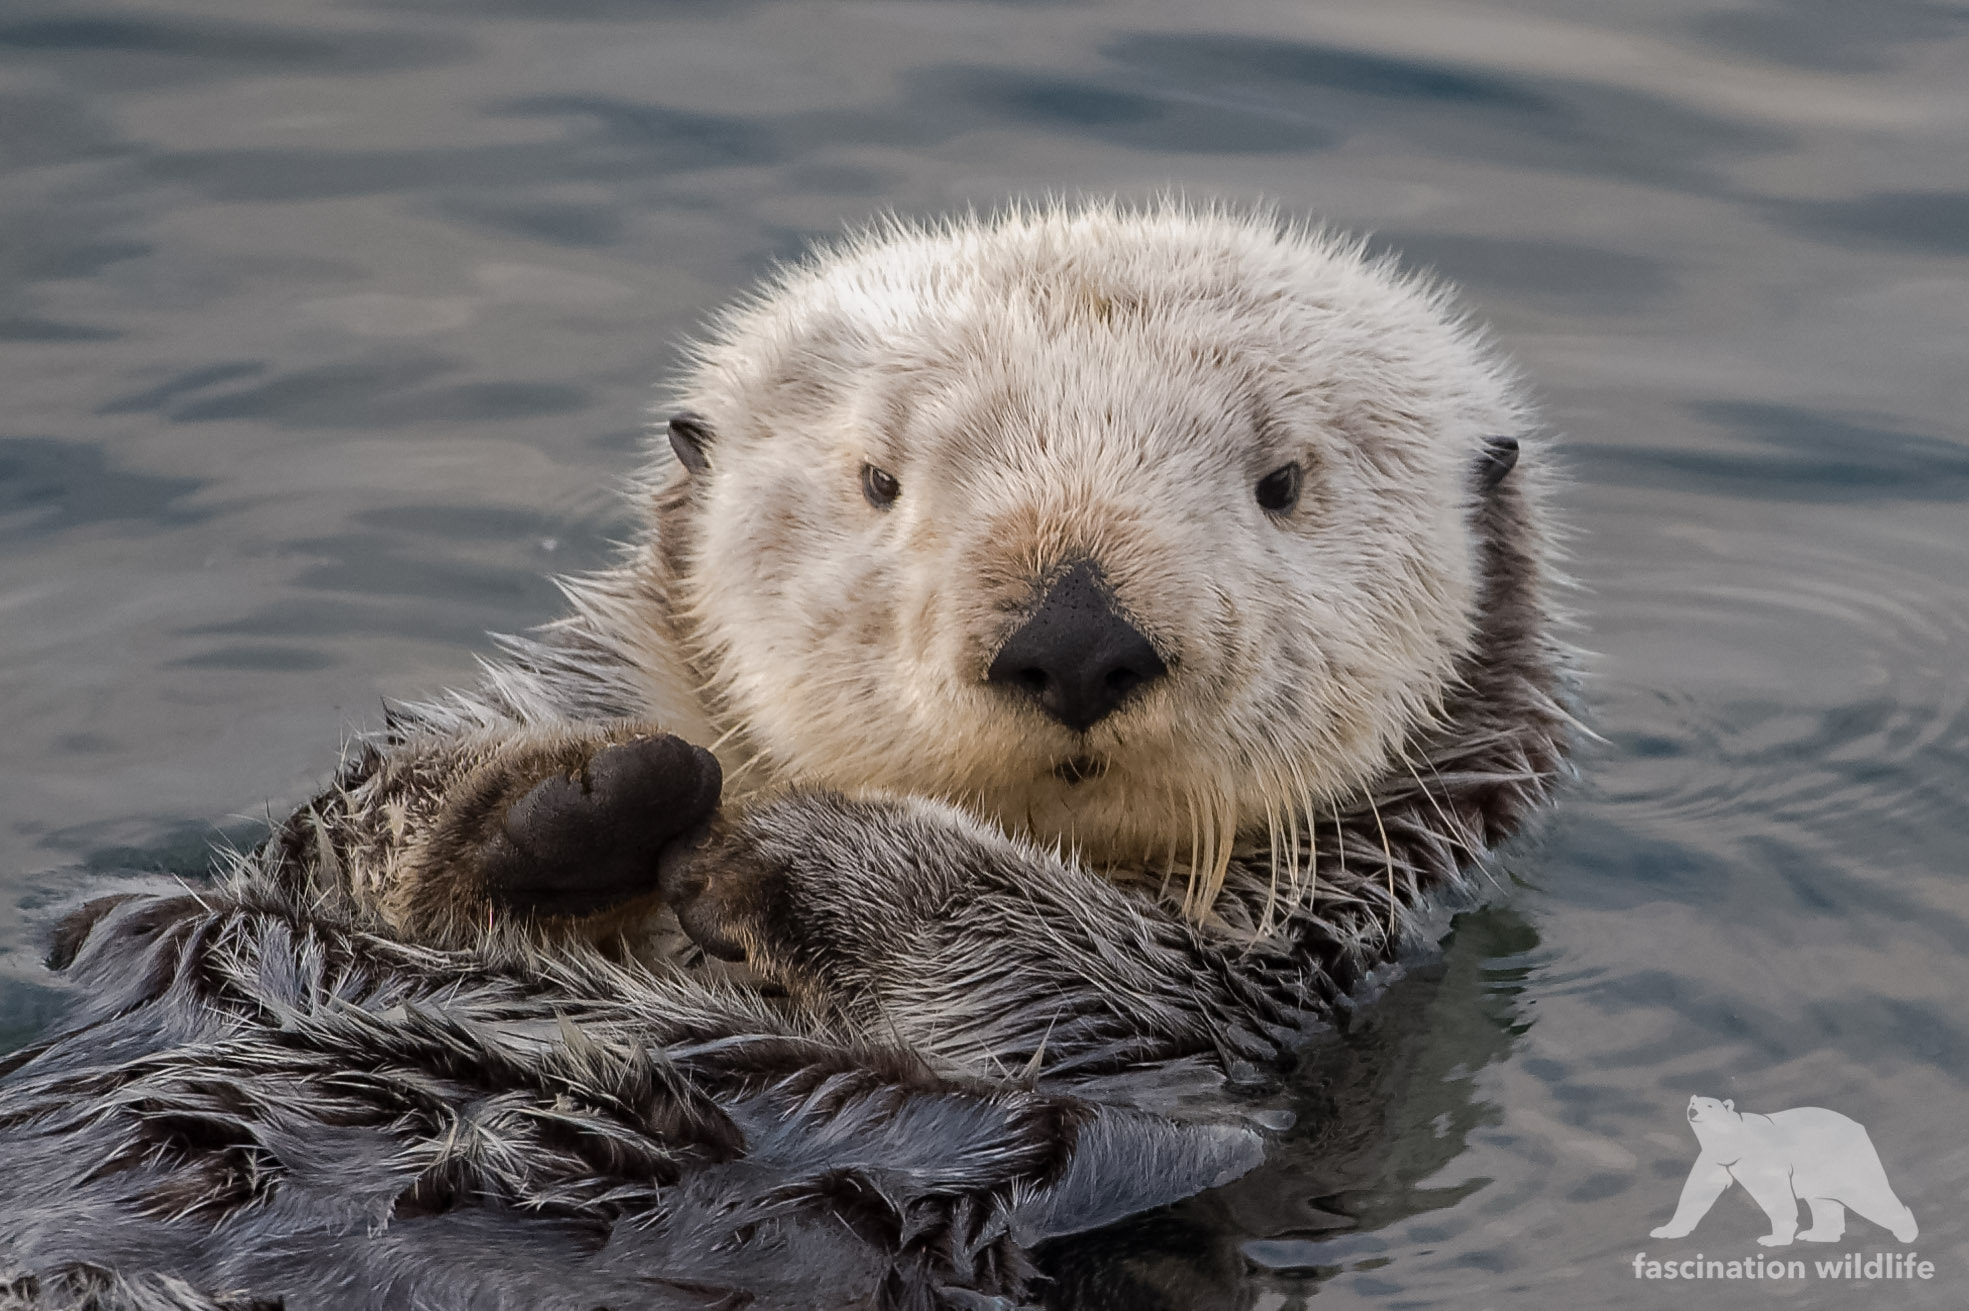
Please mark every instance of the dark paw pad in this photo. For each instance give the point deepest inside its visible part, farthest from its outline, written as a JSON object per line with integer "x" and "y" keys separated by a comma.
{"x": 576, "y": 845}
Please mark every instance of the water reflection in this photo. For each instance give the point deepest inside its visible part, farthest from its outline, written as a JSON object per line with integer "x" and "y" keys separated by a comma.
{"x": 1825, "y": 34}
{"x": 49, "y": 486}
{"x": 1926, "y": 222}
{"x": 1380, "y": 1112}
{"x": 122, "y": 50}
{"x": 1805, "y": 455}
{"x": 1542, "y": 122}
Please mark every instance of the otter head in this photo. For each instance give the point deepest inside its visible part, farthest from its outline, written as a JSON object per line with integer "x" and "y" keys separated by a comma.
{"x": 1136, "y": 531}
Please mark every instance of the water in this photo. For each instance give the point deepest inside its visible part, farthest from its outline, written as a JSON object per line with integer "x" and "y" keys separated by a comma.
{"x": 326, "y": 327}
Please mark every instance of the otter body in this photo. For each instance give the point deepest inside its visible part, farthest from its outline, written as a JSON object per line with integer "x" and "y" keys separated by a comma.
{"x": 1063, "y": 648}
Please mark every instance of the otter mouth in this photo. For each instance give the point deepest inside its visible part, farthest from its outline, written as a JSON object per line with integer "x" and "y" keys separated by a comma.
{"x": 1079, "y": 769}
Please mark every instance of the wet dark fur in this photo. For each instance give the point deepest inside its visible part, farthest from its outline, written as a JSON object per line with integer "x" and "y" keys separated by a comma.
{"x": 266, "y": 1101}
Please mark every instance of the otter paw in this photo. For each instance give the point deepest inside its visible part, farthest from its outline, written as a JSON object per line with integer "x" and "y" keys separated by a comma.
{"x": 574, "y": 845}
{"x": 722, "y": 901}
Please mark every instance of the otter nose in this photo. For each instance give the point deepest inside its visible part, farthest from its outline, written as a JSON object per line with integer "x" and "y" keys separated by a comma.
{"x": 1077, "y": 656}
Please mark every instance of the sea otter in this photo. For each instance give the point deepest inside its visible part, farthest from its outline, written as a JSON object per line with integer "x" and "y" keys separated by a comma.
{"x": 1063, "y": 647}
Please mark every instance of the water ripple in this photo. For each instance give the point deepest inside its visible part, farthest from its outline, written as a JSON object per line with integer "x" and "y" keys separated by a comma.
{"x": 1869, "y": 742}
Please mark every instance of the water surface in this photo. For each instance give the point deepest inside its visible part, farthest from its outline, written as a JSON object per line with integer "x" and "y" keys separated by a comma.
{"x": 324, "y": 328}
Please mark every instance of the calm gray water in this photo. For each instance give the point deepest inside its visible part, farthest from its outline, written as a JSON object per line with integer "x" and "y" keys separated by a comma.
{"x": 327, "y": 325}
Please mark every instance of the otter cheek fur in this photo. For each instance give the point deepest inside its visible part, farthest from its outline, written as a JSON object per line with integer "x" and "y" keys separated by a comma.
{"x": 1118, "y": 419}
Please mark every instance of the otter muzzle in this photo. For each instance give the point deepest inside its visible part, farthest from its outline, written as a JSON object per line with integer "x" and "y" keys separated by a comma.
{"x": 1077, "y": 656}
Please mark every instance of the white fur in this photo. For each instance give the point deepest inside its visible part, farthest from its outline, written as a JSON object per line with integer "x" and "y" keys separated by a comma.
{"x": 1087, "y": 380}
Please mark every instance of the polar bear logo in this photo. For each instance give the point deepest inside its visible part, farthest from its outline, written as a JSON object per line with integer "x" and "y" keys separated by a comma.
{"x": 1806, "y": 1154}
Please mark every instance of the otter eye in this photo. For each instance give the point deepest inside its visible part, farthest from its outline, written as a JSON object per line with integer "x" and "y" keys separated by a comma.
{"x": 879, "y": 486}
{"x": 1278, "y": 491}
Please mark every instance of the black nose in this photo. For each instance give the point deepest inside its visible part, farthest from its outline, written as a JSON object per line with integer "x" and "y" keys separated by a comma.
{"x": 1077, "y": 656}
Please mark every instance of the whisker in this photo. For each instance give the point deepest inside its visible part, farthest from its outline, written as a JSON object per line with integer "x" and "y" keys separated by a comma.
{"x": 1388, "y": 853}
{"x": 1189, "y": 887}
{"x": 1450, "y": 829}
{"x": 1271, "y": 889}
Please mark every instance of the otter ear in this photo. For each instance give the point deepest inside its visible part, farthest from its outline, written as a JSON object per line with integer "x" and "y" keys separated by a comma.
{"x": 1500, "y": 456}
{"x": 1729, "y": 1105}
{"x": 690, "y": 438}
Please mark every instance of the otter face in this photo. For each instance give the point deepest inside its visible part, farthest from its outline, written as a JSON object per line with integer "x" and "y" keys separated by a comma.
{"x": 1137, "y": 531}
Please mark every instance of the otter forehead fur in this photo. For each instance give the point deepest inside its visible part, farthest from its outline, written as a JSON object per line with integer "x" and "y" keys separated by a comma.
{"x": 1097, "y": 385}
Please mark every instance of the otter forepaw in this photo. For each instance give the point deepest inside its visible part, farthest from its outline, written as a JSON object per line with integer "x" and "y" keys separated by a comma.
{"x": 812, "y": 890}
{"x": 722, "y": 903}
{"x": 577, "y": 843}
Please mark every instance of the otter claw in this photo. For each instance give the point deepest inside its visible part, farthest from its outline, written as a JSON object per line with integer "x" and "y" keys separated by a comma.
{"x": 576, "y": 845}
{"x": 711, "y": 911}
